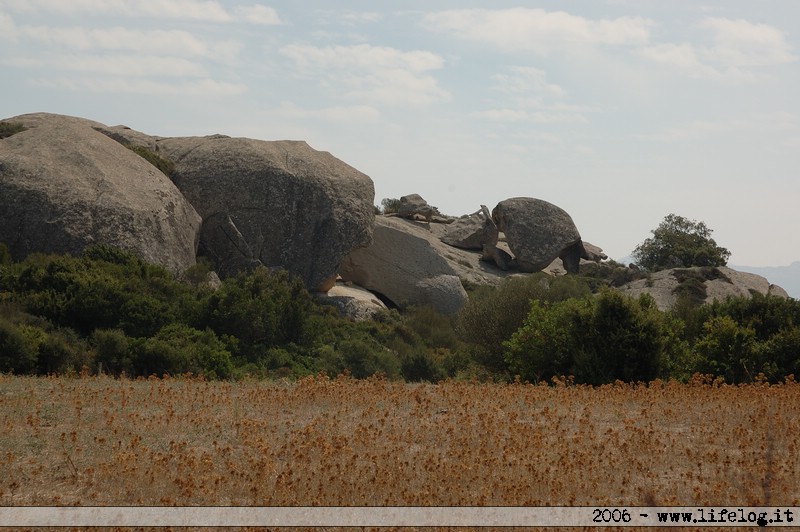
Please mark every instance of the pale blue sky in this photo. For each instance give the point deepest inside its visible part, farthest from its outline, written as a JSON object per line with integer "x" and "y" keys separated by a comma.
{"x": 618, "y": 111}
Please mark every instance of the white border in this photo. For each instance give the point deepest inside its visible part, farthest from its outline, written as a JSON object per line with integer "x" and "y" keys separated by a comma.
{"x": 395, "y": 516}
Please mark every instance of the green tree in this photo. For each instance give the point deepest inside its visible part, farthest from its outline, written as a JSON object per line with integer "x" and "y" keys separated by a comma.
{"x": 680, "y": 243}
{"x": 729, "y": 349}
{"x": 390, "y": 205}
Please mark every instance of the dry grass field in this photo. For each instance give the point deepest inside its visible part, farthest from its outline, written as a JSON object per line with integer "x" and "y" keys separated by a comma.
{"x": 320, "y": 441}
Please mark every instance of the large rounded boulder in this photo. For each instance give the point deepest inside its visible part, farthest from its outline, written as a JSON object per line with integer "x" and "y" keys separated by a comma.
{"x": 278, "y": 203}
{"x": 539, "y": 232}
{"x": 64, "y": 186}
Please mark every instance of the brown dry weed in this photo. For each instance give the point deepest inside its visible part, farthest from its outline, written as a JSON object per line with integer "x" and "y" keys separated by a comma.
{"x": 345, "y": 442}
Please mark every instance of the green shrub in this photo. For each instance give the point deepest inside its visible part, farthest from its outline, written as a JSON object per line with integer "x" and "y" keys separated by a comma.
{"x": 765, "y": 314}
{"x": 18, "y": 351}
{"x": 597, "y": 340}
{"x": 179, "y": 349}
{"x": 10, "y": 128}
{"x": 105, "y": 288}
{"x": 262, "y": 309}
{"x": 62, "y": 351}
{"x": 436, "y": 330}
{"x": 5, "y": 255}
{"x": 166, "y": 166}
{"x": 493, "y": 314}
{"x": 729, "y": 350}
{"x": 390, "y": 205}
{"x": 420, "y": 367}
{"x": 781, "y": 354}
{"x": 546, "y": 344}
{"x": 112, "y": 351}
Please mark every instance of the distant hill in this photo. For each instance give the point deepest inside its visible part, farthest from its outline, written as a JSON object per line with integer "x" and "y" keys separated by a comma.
{"x": 787, "y": 277}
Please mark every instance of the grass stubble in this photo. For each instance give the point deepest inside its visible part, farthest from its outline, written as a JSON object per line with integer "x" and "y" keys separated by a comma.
{"x": 98, "y": 441}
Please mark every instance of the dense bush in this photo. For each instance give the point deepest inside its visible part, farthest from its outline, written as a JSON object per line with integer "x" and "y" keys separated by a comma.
{"x": 18, "y": 352}
{"x": 30, "y": 344}
{"x": 492, "y": 314}
{"x": 262, "y": 310}
{"x": 597, "y": 340}
{"x": 10, "y": 128}
{"x": 112, "y": 351}
{"x": 179, "y": 349}
{"x": 166, "y": 166}
{"x": 742, "y": 337}
{"x": 103, "y": 289}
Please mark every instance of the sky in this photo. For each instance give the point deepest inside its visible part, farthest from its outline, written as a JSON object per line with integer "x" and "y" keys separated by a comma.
{"x": 618, "y": 111}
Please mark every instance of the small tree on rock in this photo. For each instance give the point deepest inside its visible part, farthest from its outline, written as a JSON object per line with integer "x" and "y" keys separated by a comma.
{"x": 680, "y": 243}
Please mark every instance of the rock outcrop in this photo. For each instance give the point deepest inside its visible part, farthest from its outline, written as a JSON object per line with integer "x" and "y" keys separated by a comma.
{"x": 473, "y": 231}
{"x": 405, "y": 267}
{"x": 64, "y": 186}
{"x": 277, "y": 203}
{"x": 538, "y": 232}
{"x": 414, "y": 207}
{"x": 701, "y": 284}
{"x": 353, "y": 301}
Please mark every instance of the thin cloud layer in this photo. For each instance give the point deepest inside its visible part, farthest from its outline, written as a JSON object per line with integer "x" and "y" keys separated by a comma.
{"x": 536, "y": 30}
{"x": 169, "y": 9}
{"x": 730, "y": 50}
{"x": 375, "y": 74}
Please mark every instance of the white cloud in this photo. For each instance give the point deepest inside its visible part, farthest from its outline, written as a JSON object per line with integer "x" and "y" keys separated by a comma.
{"x": 520, "y": 80}
{"x": 258, "y": 14}
{"x": 174, "y": 9}
{"x": 175, "y": 42}
{"x": 756, "y": 125}
{"x": 735, "y": 50}
{"x": 130, "y": 65}
{"x": 742, "y": 43}
{"x": 362, "y": 56}
{"x": 522, "y": 115}
{"x": 375, "y": 74}
{"x": 343, "y": 17}
{"x": 502, "y": 115}
{"x": 8, "y": 29}
{"x": 339, "y": 114}
{"x": 684, "y": 57}
{"x": 536, "y": 30}
{"x": 529, "y": 97}
{"x": 170, "y": 9}
{"x": 354, "y": 18}
{"x": 679, "y": 55}
{"x": 201, "y": 87}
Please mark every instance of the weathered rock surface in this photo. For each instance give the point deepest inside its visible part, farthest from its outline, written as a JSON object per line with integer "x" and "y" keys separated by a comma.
{"x": 64, "y": 186}
{"x": 278, "y": 203}
{"x": 539, "y": 232}
{"x": 403, "y": 265}
{"x": 353, "y": 301}
{"x": 414, "y": 206}
{"x": 471, "y": 232}
{"x": 725, "y": 282}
